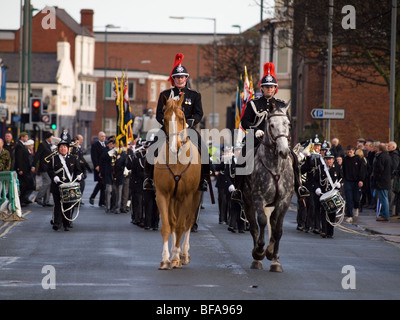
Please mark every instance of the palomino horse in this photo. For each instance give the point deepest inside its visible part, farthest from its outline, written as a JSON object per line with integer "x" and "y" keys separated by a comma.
{"x": 176, "y": 177}
{"x": 269, "y": 188}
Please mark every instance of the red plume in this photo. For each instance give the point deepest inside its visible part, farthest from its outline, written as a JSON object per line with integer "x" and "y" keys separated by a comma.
{"x": 269, "y": 69}
{"x": 177, "y": 62}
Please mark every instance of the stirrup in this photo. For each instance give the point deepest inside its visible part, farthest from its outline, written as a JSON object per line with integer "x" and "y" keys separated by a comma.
{"x": 148, "y": 184}
{"x": 303, "y": 192}
{"x": 237, "y": 195}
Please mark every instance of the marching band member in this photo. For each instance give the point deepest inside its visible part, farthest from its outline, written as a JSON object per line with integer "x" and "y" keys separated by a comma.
{"x": 62, "y": 168}
{"x": 323, "y": 185}
{"x": 135, "y": 163}
{"x": 309, "y": 168}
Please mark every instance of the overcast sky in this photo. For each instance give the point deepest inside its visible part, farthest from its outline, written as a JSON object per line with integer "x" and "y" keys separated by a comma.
{"x": 152, "y": 15}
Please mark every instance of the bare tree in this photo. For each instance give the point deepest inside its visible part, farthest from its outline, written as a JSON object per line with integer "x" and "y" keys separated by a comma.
{"x": 234, "y": 52}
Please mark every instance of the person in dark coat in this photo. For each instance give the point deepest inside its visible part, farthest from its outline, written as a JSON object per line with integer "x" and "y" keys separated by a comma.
{"x": 78, "y": 152}
{"x": 135, "y": 163}
{"x": 95, "y": 152}
{"x": 354, "y": 178}
{"x": 44, "y": 150}
{"x": 323, "y": 184}
{"x": 112, "y": 164}
{"x": 24, "y": 169}
{"x": 193, "y": 110}
{"x": 222, "y": 184}
{"x": 381, "y": 179}
{"x": 255, "y": 117}
{"x": 395, "y": 157}
{"x": 63, "y": 168}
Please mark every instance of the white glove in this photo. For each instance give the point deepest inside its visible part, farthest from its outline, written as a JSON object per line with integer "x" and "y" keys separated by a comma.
{"x": 337, "y": 185}
{"x": 56, "y": 179}
{"x": 318, "y": 192}
{"x": 231, "y": 188}
{"x": 259, "y": 133}
{"x": 79, "y": 177}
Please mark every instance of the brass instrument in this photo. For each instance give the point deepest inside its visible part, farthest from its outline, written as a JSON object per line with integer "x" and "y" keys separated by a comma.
{"x": 47, "y": 158}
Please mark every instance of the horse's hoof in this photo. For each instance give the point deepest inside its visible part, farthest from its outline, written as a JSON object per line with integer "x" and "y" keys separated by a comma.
{"x": 256, "y": 264}
{"x": 165, "y": 265}
{"x": 185, "y": 259}
{"x": 276, "y": 267}
{"x": 176, "y": 264}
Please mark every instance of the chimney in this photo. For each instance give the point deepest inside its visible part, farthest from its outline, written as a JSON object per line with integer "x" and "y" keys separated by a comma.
{"x": 63, "y": 47}
{"x": 87, "y": 19}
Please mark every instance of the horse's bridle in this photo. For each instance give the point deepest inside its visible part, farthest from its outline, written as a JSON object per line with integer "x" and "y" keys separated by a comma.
{"x": 274, "y": 138}
{"x": 182, "y": 132}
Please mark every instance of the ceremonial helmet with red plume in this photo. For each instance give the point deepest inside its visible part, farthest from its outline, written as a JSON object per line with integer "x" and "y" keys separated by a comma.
{"x": 269, "y": 77}
{"x": 178, "y": 69}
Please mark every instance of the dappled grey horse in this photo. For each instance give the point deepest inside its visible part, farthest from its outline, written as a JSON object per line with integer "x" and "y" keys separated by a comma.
{"x": 268, "y": 190}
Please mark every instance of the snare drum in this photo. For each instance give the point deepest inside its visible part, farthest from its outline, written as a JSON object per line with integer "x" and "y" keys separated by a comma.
{"x": 332, "y": 201}
{"x": 70, "y": 192}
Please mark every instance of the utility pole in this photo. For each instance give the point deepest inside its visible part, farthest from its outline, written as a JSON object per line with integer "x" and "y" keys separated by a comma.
{"x": 329, "y": 80}
{"x": 392, "y": 69}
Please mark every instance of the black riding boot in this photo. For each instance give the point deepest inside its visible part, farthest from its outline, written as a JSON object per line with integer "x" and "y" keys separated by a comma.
{"x": 205, "y": 176}
{"x": 148, "y": 176}
{"x": 237, "y": 193}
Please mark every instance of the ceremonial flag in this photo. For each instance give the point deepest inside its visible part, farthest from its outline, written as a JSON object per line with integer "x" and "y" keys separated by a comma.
{"x": 124, "y": 113}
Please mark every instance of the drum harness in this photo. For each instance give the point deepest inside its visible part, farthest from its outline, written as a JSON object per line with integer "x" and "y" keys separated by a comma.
{"x": 339, "y": 212}
{"x": 78, "y": 200}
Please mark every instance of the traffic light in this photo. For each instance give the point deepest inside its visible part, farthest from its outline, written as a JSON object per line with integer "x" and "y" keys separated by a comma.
{"x": 53, "y": 121}
{"x": 36, "y": 107}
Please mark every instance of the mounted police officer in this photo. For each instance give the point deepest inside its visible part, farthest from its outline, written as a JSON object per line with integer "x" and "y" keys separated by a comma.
{"x": 255, "y": 116}
{"x": 193, "y": 110}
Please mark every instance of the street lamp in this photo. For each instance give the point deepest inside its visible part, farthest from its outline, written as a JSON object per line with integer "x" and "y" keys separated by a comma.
{"x": 108, "y": 26}
{"x": 237, "y": 26}
{"x": 214, "y": 62}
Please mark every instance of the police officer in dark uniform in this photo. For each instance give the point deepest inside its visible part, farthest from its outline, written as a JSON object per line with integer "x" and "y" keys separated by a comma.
{"x": 193, "y": 110}
{"x": 63, "y": 168}
{"x": 223, "y": 182}
{"x": 255, "y": 116}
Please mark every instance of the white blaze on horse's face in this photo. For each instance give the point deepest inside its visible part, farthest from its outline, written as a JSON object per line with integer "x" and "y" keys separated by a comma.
{"x": 173, "y": 144}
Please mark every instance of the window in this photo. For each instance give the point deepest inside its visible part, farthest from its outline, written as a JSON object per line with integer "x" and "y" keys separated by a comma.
{"x": 110, "y": 125}
{"x": 163, "y": 86}
{"x": 153, "y": 91}
{"x": 110, "y": 90}
{"x": 282, "y": 52}
{"x": 87, "y": 94}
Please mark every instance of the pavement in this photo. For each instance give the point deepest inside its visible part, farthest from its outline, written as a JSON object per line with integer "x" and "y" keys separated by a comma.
{"x": 389, "y": 230}
{"x": 366, "y": 222}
